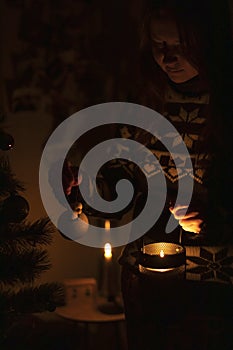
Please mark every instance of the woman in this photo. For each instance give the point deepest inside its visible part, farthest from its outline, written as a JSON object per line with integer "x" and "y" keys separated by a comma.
{"x": 186, "y": 76}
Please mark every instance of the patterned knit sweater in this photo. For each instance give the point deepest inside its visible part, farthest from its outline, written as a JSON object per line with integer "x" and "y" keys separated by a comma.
{"x": 208, "y": 254}
{"x": 187, "y": 110}
{"x": 187, "y": 113}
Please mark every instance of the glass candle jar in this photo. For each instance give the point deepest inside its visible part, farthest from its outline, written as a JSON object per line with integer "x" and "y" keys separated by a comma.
{"x": 163, "y": 260}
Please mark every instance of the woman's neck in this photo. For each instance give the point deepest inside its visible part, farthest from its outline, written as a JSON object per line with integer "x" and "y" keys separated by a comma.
{"x": 192, "y": 87}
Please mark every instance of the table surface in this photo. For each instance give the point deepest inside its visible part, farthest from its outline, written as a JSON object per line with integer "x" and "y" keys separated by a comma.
{"x": 89, "y": 312}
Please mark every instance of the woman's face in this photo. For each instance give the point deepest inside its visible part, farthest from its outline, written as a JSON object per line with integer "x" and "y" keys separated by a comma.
{"x": 167, "y": 51}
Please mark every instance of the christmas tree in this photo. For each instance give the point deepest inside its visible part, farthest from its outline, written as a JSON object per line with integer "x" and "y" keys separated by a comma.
{"x": 23, "y": 256}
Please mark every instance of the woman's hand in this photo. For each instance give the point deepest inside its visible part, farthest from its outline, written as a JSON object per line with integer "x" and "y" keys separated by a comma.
{"x": 189, "y": 221}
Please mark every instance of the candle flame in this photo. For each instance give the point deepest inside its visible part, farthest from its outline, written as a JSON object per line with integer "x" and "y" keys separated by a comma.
{"x": 107, "y": 251}
{"x": 107, "y": 225}
{"x": 161, "y": 253}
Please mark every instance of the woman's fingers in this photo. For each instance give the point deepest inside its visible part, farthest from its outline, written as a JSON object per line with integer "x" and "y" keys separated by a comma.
{"x": 180, "y": 215}
{"x": 180, "y": 212}
{"x": 191, "y": 225}
{"x": 190, "y": 222}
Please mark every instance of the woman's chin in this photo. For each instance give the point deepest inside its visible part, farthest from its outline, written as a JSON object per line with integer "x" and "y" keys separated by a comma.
{"x": 179, "y": 77}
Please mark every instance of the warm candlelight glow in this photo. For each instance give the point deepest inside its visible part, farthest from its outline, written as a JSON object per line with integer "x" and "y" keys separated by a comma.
{"x": 107, "y": 246}
{"x": 108, "y": 251}
{"x": 159, "y": 270}
{"x": 107, "y": 225}
{"x": 161, "y": 253}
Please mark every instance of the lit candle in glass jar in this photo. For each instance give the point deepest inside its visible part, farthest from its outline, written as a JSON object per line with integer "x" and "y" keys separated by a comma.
{"x": 161, "y": 253}
{"x": 163, "y": 260}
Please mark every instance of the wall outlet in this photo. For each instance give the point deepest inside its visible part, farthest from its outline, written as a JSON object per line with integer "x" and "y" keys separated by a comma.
{"x": 80, "y": 291}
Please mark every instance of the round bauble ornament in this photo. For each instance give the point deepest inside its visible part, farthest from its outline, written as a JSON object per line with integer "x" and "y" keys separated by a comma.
{"x": 84, "y": 218}
{"x": 14, "y": 209}
{"x": 6, "y": 141}
{"x": 77, "y": 207}
{"x": 51, "y": 307}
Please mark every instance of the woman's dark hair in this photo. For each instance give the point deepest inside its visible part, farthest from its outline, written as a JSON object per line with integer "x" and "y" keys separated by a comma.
{"x": 205, "y": 31}
{"x": 206, "y": 37}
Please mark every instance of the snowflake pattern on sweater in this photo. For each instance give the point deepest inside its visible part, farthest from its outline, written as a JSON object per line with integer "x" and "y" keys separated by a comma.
{"x": 188, "y": 116}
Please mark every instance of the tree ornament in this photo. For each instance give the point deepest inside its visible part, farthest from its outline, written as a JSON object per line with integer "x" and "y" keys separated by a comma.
{"x": 14, "y": 209}
{"x": 77, "y": 207}
{"x": 71, "y": 220}
{"x": 84, "y": 218}
{"x": 50, "y": 306}
{"x": 6, "y": 141}
{"x": 77, "y": 212}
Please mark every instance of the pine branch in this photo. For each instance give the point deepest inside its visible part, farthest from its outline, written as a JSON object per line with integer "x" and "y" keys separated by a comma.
{"x": 45, "y": 297}
{"x": 8, "y": 181}
{"x": 13, "y": 305}
{"x": 16, "y": 236}
{"x": 22, "y": 266}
